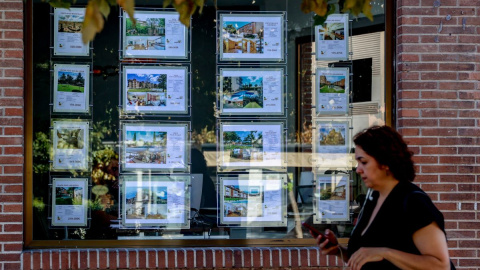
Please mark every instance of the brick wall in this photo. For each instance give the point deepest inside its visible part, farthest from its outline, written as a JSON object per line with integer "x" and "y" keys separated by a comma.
{"x": 438, "y": 64}
{"x": 183, "y": 258}
{"x": 11, "y": 133}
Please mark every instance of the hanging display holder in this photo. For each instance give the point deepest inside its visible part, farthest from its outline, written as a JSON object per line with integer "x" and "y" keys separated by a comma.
{"x": 153, "y": 146}
{"x": 157, "y": 35}
{"x": 66, "y": 40}
{"x": 332, "y": 198}
{"x": 251, "y": 91}
{"x": 246, "y": 144}
{"x": 253, "y": 200}
{"x": 251, "y": 37}
{"x": 150, "y": 201}
{"x": 69, "y": 197}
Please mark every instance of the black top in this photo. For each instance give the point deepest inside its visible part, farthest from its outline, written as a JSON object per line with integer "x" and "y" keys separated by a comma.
{"x": 405, "y": 210}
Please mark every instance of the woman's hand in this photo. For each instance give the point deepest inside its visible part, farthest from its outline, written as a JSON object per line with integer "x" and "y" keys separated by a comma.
{"x": 365, "y": 255}
{"x": 328, "y": 243}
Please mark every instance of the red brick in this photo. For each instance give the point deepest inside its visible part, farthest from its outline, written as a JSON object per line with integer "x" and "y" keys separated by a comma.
{"x": 112, "y": 259}
{"x": 162, "y": 259}
{"x": 457, "y": 122}
{"x": 457, "y": 67}
{"x": 12, "y": 247}
{"x": 13, "y": 72}
{"x": 457, "y": 141}
{"x": 74, "y": 259}
{"x": 418, "y": 48}
{"x": 46, "y": 259}
{"x": 247, "y": 258}
{"x": 409, "y": 104}
{"x": 438, "y": 169}
{"x": 27, "y": 260}
{"x": 438, "y": 76}
{"x": 438, "y": 150}
{"x": 439, "y": 95}
{"x": 421, "y": 141}
{"x": 469, "y": 150}
{"x": 218, "y": 258}
{"x": 285, "y": 258}
{"x": 408, "y": 95}
{"x": 418, "y": 66}
{"x": 190, "y": 259}
{"x": 409, "y": 131}
{"x": 36, "y": 260}
{"x": 425, "y": 159}
{"x": 457, "y": 160}
{"x": 13, "y": 131}
{"x": 276, "y": 258}
{"x": 417, "y": 85}
{"x": 11, "y": 141}
{"x": 13, "y": 150}
{"x": 152, "y": 258}
{"x": 458, "y": 48}
{"x": 455, "y": 85}
{"x": 13, "y": 92}
{"x": 209, "y": 258}
{"x": 181, "y": 258}
{"x": 11, "y": 198}
{"x": 199, "y": 258}
{"x": 92, "y": 255}
{"x": 266, "y": 258}
{"x": 11, "y": 266}
{"x": 12, "y": 228}
{"x": 257, "y": 262}
{"x": 122, "y": 258}
{"x": 132, "y": 259}
{"x": 228, "y": 253}
{"x": 12, "y": 169}
{"x": 439, "y": 57}
{"x": 408, "y": 113}
{"x": 55, "y": 263}
{"x": 10, "y": 179}
{"x": 418, "y": 122}
{"x": 451, "y": 104}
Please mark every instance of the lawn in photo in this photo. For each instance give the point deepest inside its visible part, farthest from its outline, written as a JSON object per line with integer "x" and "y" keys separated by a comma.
{"x": 146, "y": 203}
{"x": 331, "y": 31}
{"x": 243, "y": 201}
{"x": 146, "y": 89}
{"x": 243, "y": 146}
{"x": 146, "y": 147}
{"x": 68, "y": 195}
{"x": 332, "y": 84}
{"x": 71, "y": 81}
{"x": 69, "y": 138}
{"x": 243, "y": 92}
{"x": 242, "y": 37}
{"x": 332, "y": 136}
{"x": 147, "y": 34}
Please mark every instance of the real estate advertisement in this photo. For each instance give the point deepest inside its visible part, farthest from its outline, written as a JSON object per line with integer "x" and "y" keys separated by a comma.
{"x": 332, "y": 198}
{"x": 69, "y": 201}
{"x": 251, "y": 91}
{"x": 155, "y": 90}
{"x": 331, "y": 147}
{"x": 331, "y": 38}
{"x": 70, "y": 145}
{"x": 253, "y": 200}
{"x": 254, "y": 37}
{"x": 160, "y": 201}
{"x": 331, "y": 91}
{"x": 156, "y": 34}
{"x": 251, "y": 145}
{"x": 67, "y": 34}
{"x": 71, "y": 88}
{"x": 157, "y": 147}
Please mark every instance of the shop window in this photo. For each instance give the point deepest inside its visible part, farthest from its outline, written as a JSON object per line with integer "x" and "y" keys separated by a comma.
{"x": 155, "y": 133}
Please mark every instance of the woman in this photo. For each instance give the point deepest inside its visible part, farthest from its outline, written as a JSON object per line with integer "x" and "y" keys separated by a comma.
{"x": 399, "y": 227}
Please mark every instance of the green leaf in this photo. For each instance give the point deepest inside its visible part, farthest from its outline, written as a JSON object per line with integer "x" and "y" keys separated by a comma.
{"x": 59, "y": 4}
{"x": 318, "y": 20}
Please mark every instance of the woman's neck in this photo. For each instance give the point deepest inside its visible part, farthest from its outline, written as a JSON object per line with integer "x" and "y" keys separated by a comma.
{"x": 387, "y": 187}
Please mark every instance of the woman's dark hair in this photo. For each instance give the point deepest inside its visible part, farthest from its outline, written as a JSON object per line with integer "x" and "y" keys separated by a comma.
{"x": 388, "y": 148}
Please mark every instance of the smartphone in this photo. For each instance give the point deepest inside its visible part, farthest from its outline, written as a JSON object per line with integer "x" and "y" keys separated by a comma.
{"x": 315, "y": 233}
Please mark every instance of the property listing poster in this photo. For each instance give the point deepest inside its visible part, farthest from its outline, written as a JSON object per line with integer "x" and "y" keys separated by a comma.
{"x": 67, "y": 32}
{"x": 331, "y": 38}
{"x": 331, "y": 148}
{"x": 155, "y": 90}
{"x": 158, "y": 147}
{"x": 251, "y": 145}
{"x": 255, "y": 37}
{"x": 156, "y": 201}
{"x": 251, "y": 91}
{"x": 331, "y": 93}
{"x": 71, "y": 91}
{"x": 69, "y": 201}
{"x": 253, "y": 200}
{"x": 154, "y": 35}
{"x": 332, "y": 201}
{"x": 70, "y": 145}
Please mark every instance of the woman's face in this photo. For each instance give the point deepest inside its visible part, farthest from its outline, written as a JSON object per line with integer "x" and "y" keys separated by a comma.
{"x": 369, "y": 169}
